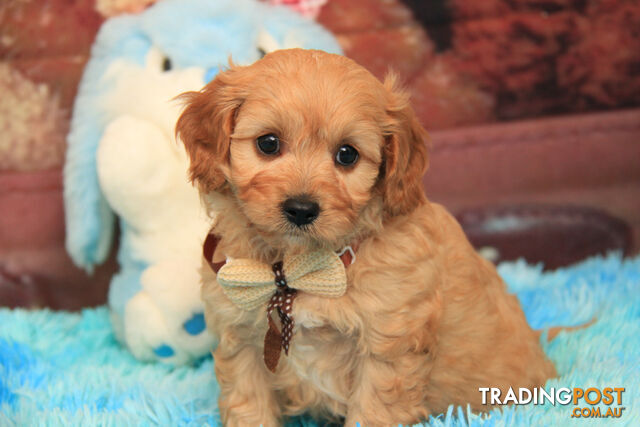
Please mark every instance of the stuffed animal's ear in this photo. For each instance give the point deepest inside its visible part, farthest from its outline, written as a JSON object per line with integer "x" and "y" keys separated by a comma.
{"x": 206, "y": 125}
{"x": 405, "y": 153}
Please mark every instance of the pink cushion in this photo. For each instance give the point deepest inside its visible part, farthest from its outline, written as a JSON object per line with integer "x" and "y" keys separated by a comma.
{"x": 34, "y": 267}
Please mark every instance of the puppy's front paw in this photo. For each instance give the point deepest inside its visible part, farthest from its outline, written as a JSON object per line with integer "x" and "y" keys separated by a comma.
{"x": 359, "y": 420}
{"x": 246, "y": 416}
{"x": 356, "y": 420}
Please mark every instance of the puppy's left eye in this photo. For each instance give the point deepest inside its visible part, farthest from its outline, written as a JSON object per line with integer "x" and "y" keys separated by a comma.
{"x": 268, "y": 144}
{"x": 346, "y": 155}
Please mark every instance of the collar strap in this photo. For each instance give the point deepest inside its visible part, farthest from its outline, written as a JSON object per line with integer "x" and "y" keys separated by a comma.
{"x": 209, "y": 248}
{"x": 347, "y": 255}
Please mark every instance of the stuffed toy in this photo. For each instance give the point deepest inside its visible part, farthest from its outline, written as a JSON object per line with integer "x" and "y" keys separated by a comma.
{"x": 123, "y": 163}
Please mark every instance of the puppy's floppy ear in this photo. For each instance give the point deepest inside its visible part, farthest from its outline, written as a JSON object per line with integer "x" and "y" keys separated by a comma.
{"x": 206, "y": 125}
{"x": 405, "y": 153}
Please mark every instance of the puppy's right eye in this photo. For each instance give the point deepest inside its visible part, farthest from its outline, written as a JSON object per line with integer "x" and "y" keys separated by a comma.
{"x": 268, "y": 144}
{"x": 346, "y": 155}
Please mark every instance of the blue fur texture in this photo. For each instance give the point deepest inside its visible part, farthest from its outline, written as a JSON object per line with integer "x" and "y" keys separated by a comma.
{"x": 67, "y": 369}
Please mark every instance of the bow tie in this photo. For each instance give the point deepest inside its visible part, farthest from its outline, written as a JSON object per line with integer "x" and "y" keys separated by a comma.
{"x": 249, "y": 284}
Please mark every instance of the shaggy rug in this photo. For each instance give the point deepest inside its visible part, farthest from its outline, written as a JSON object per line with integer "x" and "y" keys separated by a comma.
{"x": 67, "y": 369}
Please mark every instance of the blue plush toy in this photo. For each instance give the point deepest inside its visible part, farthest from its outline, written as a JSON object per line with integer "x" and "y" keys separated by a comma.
{"x": 123, "y": 161}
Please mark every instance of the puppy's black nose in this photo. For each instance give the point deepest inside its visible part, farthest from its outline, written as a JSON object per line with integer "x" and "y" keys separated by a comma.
{"x": 300, "y": 210}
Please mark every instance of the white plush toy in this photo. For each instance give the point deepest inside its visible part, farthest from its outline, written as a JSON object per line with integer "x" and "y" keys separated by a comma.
{"x": 123, "y": 160}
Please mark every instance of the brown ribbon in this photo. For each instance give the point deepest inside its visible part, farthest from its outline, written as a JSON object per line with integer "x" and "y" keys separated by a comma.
{"x": 282, "y": 300}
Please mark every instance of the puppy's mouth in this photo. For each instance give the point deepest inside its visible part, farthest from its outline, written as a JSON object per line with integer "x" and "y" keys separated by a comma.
{"x": 285, "y": 232}
{"x": 286, "y": 236}
{"x": 303, "y": 231}
{"x": 290, "y": 229}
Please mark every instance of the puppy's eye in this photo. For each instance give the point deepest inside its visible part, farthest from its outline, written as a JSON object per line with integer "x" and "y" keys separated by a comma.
{"x": 166, "y": 64}
{"x": 346, "y": 155}
{"x": 268, "y": 144}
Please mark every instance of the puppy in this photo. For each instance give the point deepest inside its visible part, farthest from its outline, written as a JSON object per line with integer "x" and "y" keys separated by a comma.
{"x": 305, "y": 152}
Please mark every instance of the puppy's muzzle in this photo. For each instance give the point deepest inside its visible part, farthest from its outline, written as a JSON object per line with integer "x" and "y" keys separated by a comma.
{"x": 300, "y": 210}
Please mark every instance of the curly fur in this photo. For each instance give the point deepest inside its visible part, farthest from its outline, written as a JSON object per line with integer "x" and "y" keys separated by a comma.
{"x": 425, "y": 320}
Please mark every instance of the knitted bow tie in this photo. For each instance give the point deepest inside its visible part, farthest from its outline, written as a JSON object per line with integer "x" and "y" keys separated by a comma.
{"x": 249, "y": 284}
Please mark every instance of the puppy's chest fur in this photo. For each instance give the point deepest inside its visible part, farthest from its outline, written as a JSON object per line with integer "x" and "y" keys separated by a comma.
{"x": 323, "y": 354}
{"x": 321, "y": 358}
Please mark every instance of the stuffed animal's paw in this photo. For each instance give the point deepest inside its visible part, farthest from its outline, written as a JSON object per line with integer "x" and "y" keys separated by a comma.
{"x": 165, "y": 320}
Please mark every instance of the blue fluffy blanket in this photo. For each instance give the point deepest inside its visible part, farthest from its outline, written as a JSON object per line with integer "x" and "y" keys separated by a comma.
{"x": 67, "y": 369}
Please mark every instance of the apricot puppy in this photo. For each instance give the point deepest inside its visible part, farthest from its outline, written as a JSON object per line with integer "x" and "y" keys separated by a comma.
{"x": 301, "y": 155}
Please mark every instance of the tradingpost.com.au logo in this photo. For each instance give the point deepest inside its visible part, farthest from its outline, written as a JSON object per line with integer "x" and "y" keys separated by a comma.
{"x": 611, "y": 397}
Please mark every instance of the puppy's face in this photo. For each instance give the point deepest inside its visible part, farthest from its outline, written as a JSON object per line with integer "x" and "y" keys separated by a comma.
{"x": 304, "y": 142}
